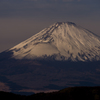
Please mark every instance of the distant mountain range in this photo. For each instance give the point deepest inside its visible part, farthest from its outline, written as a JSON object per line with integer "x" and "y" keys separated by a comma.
{"x": 59, "y": 56}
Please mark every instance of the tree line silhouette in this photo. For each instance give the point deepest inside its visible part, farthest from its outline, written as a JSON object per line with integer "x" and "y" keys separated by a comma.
{"x": 71, "y": 93}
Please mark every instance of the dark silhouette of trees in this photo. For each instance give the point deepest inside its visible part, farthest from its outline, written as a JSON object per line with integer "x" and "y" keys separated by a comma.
{"x": 71, "y": 93}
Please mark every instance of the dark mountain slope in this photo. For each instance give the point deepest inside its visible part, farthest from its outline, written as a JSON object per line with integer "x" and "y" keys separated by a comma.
{"x": 51, "y": 75}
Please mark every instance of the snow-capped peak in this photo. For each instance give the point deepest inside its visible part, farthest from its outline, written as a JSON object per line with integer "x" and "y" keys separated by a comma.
{"x": 60, "y": 41}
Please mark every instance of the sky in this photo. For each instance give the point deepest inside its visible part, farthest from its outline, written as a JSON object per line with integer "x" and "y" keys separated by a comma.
{"x": 20, "y": 19}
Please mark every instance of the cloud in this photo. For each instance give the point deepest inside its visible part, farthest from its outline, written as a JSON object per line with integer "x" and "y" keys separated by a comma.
{"x": 47, "y": 8}
{"x": 48, "y": 0}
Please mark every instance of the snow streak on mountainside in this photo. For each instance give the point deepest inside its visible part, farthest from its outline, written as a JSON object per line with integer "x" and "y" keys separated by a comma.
{"x": 60, "y": 41}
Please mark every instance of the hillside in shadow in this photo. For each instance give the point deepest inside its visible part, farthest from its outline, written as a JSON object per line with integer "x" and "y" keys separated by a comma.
{"x": 51, "y": 75}
{"x": 71, "y": 93}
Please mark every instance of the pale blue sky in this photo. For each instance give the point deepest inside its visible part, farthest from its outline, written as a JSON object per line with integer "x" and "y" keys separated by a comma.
{"x": 20, "y": 19}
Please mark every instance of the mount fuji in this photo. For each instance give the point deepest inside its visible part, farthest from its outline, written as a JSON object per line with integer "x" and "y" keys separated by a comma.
{"x": 60, "y": 41}
{"x": 62, "y": 55}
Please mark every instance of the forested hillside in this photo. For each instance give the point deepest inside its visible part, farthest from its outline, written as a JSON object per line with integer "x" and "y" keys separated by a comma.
{"x": 71, "y": 93}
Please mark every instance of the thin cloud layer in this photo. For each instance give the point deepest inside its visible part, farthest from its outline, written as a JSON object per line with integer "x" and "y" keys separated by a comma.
{"x": 30, "y": 8}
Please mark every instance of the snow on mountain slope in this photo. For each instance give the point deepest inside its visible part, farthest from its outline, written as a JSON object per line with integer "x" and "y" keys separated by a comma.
{"x": 62, "y": 41}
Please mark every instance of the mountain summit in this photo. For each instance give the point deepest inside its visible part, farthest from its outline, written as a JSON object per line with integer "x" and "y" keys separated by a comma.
{"x": 62, "y": 55}
{"x": 60, "y": 41}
